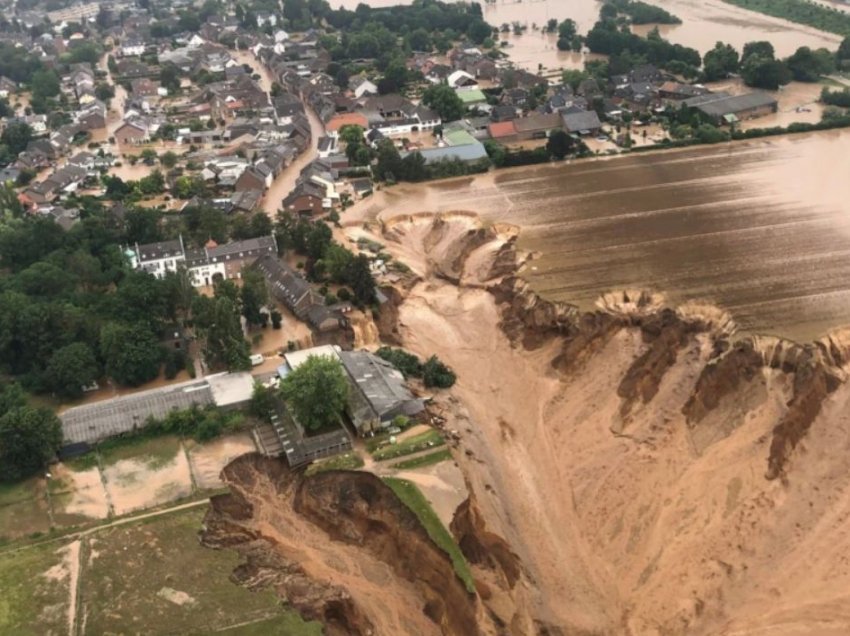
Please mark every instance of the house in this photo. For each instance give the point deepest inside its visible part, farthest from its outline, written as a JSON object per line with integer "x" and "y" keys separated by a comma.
{"x": 584, "y": 122}
{"x": 360, "y": 86}
{"x": 677, "y": 92}
{"x": 503, "y": 131}
{"x": 327, "y": 146}
{"x": 132, "y": 47}
{"x": 205, "y": 265}
{"x": 503, "y": 112}
{"x": 378, "y": 392}
{"x": 287, "y": 286}
{"x": 144, "y": 87}
{"x": 471, "y": 97}
{"x": 307, "y": 199}
{"x": 252, "y": 178}
{"x": 537, "y": 125}
{"x": 157, "y": 258}
{"x": 721, "y": 108}
{"x": 225, "y": 262}
{"x": 461, "y": 80}
{"x": 132, "y": 131}
{"x": 7, "y": 87}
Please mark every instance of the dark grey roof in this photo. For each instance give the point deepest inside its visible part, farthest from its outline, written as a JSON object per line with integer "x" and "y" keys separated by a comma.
{"x": 164, "y": 249}
{"x": 585, "y": 120}
{"x": 97, "y": 421}
{"x": 734, "y": 104}
{"x": 248, "y": 245}
{"x": 285, "y": 283}
{"x": 381, "y": 389}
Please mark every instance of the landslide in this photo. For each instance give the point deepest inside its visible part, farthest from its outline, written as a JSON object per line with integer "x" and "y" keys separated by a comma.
{"x": 647, "y": 471}
{"x": 341, "y": 548}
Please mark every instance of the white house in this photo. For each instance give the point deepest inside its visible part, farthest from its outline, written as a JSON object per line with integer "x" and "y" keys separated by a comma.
{"x": 362, "y": 87}
{"x": 461, "y": 80}
{"x": 159, "y": 258}
{"x": 265, "y": 18}
{"x": 132, "y": 47}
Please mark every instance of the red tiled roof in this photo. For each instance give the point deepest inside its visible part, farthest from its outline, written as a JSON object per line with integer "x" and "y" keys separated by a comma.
{"x": 502, "y": 129}
{"x": 347, "y": 119}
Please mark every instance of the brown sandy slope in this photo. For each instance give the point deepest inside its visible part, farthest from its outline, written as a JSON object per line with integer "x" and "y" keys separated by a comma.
{"x": 628, "y": 515}
{"x": 634, "y": 470}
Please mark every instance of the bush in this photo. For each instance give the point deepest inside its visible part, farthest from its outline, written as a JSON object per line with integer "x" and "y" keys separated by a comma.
{"x": 437, "y": 374}
{"x": 407, "y": 363}
{"x": 277, "y": 319}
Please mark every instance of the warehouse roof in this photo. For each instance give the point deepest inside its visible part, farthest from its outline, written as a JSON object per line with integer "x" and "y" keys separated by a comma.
{"x": 731, "y": 104}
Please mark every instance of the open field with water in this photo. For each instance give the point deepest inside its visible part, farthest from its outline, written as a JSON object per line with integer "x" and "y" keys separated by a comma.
{"x": 760, "y": 228}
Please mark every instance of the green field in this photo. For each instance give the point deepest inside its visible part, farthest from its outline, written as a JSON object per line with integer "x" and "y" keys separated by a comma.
{"x": 23, "y": 509}
{"x": 424, "y": 460}
{"x": 33, "y": 602}
{"x": 414, "y": 444}
{"x": 415, "y": 500}
{"x": 346, "y": 461}
{"x": 154, "y": 451}
{"x": 802, "y": 12}
{"x": 154, "y": 577}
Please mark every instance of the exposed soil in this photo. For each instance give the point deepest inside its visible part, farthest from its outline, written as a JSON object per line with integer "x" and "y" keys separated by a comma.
{"x": 632, "y": 470}
{"x": 333, "y": 545}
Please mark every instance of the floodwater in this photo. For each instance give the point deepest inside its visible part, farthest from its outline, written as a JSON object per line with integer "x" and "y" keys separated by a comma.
{"x": 704, "y": 22}
{"x": 760, "y": 228}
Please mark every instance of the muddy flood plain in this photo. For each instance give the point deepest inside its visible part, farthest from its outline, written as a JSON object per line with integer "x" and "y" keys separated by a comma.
{"x": 760, "y": 228}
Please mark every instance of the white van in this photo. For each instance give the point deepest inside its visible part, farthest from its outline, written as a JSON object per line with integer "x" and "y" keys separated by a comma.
{"x": 257, "y": 359}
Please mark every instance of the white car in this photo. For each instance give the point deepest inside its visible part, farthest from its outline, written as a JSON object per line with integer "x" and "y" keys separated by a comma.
{"x": 257, "y": 359}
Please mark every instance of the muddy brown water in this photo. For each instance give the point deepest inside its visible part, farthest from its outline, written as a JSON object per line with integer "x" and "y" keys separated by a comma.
{"x": 761, "y": 228}
{"x": 704, "y": 22}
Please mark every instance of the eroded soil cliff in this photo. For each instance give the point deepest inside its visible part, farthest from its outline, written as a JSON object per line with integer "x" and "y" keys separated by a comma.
{"x": 638, "y": 469}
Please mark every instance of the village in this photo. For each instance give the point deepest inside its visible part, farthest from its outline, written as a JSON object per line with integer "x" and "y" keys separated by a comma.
{"x": 215, "y": 164}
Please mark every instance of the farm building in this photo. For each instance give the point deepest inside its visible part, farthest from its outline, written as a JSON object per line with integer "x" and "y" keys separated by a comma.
{"x": 723, "y": 108}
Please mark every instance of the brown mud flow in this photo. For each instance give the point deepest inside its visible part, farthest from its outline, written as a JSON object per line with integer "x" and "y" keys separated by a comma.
{"x": 636, "y": 469}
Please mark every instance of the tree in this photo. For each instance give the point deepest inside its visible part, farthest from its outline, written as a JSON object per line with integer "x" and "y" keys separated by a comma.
{"x": 806, "y": 65}
{"x": 70, "y": 369}
{"x": 217, "y": 322}
{"x": 443, "y": 99}
{"x": 253, "y": 294}
{"x": 104, "y": 92}
{"x": 720, "y": 62}
{"x": 560, "y": 144}
{"x": 435, "y": 373}
{"x": 29, "y": 439}
{"x": 761, "y": 48}
{"x": 420, "y": 40}
{"x": 44, "y": 84}
{"x": 168, "y": 159}
{"x": 169, "y": 77}
{"x": 843, "y": 52}
{"x": 131, "y": 352}
{"x": 154, "y": 183}
{"x": 316, "y": 392}
{"x": 10, "y": 206}
{"x": 573, "y": 77}
{"x": 16, "y": 137}
{"x": 148, "y": 156}
{"x": 764, "y": 73}
{"x": 566, "y": 34}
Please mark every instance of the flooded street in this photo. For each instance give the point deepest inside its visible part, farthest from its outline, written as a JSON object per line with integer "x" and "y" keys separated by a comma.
{"x": 760, "y": 228}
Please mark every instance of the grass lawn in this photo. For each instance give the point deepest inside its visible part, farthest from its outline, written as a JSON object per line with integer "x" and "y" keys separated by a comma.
{"x": 23, "y": 509}
{"x": 415, "y": 500}
{"x": 346, "y": 461}
{"x": 156, "y": 452}
{"x": 154, "y": 577}
{"x": 423, "y": 441}
{"x": 31, "y": 602}
{"x": 424, "y": 460}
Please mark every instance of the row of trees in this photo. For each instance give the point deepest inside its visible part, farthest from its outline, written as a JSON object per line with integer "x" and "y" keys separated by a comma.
{"x": 759, "y": 67}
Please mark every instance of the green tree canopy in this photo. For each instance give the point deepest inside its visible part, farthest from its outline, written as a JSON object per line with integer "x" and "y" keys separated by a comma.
{"x": 70, "y": 369}
{"x": 560, "y": 144}
{"x": 760, "y": 72}
{"x": 132, "y": 353}
{"x": 443, "y": 99}
{"x": 316, "y": 392}
{"x": 719, "y": 62}
{"x": 29, "y": 439}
